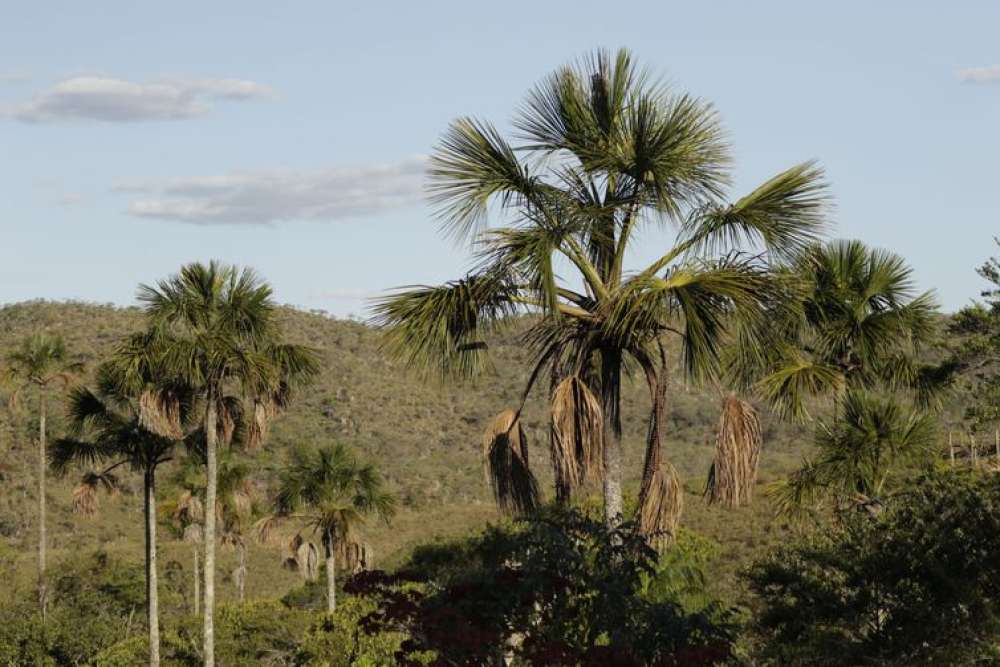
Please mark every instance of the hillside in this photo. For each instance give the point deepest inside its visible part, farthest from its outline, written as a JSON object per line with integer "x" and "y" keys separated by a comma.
{"x": 425, "y": 438}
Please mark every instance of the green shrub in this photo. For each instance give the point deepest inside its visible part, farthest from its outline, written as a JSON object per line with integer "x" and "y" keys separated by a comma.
{"x": 919, "y": 584}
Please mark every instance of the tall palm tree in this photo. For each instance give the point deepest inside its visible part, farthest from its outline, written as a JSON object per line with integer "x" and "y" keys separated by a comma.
{"x": 604, "y": 152}
{"x": 40, "y": 362}
{"x": 110, "y": 427}
{"x": 216, "y": 328}
{"x": 329, "y": 492}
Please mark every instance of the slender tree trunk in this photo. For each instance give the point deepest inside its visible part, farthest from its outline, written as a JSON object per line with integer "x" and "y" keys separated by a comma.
{"x": 243, "y": 571}
{"x": 331, "y": 575}
{"x": 197, "y": 579}
{"x": 152, "y": 594}
{"x": 210, "y": 492}
{"x": 42, "y": 591}
{"x": 611, "y": 370}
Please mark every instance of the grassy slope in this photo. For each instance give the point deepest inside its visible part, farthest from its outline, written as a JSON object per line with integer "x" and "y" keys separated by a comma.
{"x": 424, "y": 437}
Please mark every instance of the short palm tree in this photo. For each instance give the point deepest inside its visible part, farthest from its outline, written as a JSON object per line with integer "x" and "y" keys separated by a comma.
{"x": 110, "y": 427}
{"x": 216, "y": 328}
{"x": 861, "y": 326}
{"x": 604, "y": 153}
{"x": 40, "y": 363}
{"x": 330, "y": 493}
{"x": 872, "y": 439}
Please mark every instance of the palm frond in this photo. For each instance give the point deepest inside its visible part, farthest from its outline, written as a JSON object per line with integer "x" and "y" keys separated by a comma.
{"x": 577, "y": 432}
{"x": 440, "y": 329}
{"x": 733, "y": 474}
{"x": 505, "y": 452}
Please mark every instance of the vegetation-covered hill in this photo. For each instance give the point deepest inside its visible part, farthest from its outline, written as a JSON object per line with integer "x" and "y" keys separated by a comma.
{"x": 424, "y": 436}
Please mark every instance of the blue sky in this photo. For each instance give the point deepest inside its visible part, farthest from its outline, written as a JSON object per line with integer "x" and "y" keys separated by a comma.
{"x": 288, "y": 136}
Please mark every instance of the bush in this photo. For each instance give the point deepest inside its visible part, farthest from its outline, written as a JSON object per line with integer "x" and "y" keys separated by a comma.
{"x": 558, "y": 589}
{"x": 919, "y": 584}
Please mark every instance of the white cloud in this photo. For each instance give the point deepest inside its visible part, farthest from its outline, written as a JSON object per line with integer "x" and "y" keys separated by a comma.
{"x": 990, "y": 74}
{"x": 261, "y": 198}
{"x": 117, "y": 101}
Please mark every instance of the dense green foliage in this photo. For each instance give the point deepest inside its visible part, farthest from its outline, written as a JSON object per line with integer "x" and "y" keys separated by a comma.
{"x": 916, "y": 585}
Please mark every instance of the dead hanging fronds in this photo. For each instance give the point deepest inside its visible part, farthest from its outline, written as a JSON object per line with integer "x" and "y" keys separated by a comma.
{"x": 85, "y": 492}
{"x": 661, "y": 497}
{"x": 229, "y": 415}
{"x": 505, "y": 450}
{"x": 264, "y": 410}
{"x": 189, "y": 508}
{"x": 660, "y": 506}
{"x": 577, "y": 433}
{"x": 355, "y": 556}
{"x": 302, "y": 557}
{"x": 733, "y": 473}
{"x": 307, "y": 558}
{"x": 160, "y": 412}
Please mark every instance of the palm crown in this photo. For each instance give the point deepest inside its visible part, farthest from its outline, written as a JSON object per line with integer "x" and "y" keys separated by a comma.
{"x": 604, "y": 151}
{"x": 860, "y": 326}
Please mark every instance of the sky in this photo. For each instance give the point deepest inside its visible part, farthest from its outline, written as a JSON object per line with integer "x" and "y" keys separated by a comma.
{"x": 292, "y": 136}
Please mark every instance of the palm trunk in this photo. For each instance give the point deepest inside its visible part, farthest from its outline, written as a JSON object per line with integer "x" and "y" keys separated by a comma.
{"x": 243, "y": 571}
{"x": 42, "y": 592}
{"x": 208, "y": 639}
{"x": 331, "y": 575}
{"x": 152, "y": 595}
{"x": 197, "y": 580}
{"x": 611, "y": 371}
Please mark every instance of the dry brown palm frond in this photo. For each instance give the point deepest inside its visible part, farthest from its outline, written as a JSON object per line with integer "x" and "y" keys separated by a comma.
{"x": 355, "y": 556}
{"x": 264, "y": 529}
{"x": 160, "y": 413}
{"x": 189, "y": 508}
{"x": 85, "y": 499}
{"x": 229, "y": 413}
{"x": 577, "y": 433}
{"x": 660, "y": 506}
{"x": 307, "y": 558}
{"x": 505, "y": 450}
{"x": 85, "y": 492}
{"x": 264, "y": 410}
{"x": 737, "y": 452}
{"x": 661, "y": 497}
{"x": 192, "y": 533}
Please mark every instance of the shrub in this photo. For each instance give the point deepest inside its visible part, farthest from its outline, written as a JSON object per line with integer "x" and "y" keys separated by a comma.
{"x": 919, "y": 584}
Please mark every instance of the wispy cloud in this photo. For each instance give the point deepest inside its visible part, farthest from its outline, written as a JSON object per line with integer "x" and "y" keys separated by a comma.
{"x": 267, "y": 197}
{"x": 92, "y": 98}
{"x": 990, "y": 74}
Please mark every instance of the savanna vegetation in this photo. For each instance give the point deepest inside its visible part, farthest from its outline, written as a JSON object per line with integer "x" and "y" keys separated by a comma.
{"x": 763, "y": 447}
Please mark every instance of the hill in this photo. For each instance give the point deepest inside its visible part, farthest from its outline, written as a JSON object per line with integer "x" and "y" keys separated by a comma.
{"x": 424, "y": 437}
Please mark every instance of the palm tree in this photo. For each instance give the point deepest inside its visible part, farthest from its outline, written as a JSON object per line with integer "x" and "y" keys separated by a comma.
{"x": 871, "y": 440}
{"x": 860, "y": 330}
{"x": 216, "y": 328}
{"x": 111, "y": 427}
{"x": 604, "y": 153}
{"x": 861, "y": 327}
{"x": 328, "y": 491}
{"x": 40, "y": 362}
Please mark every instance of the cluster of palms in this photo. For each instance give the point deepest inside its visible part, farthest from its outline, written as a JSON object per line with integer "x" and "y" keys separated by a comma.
{"x": 752, "y": 296}
{"x": 210, "y": 370}
{"x": 747, "y": 292}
